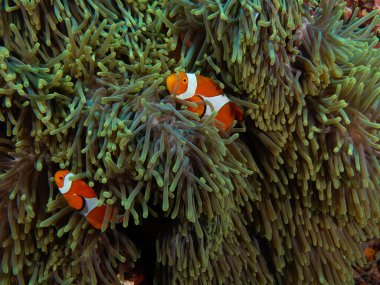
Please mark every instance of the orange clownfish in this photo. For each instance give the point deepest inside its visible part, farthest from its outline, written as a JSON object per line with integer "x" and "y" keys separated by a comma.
{"x": 81, "y": 197}
{"x": 196, "y": 88}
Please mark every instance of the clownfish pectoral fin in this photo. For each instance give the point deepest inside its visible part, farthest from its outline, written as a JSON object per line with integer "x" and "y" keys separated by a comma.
{"x": 238, "y": 112}
{"x": 75, "y": 201}
{"x": 200, "y": 110}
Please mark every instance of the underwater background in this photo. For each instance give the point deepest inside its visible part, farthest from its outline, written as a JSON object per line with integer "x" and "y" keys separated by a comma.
{"x": 286, "y": 197}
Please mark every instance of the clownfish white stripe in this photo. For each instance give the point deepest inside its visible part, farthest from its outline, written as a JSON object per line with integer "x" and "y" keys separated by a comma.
{"x": 217, "y": 102}
{"x": 89, "y": 205}
{"x": 192, "y": 85}
{"x": 66, "y": 184}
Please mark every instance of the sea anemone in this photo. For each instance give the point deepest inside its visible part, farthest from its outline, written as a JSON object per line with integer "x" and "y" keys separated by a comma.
{"x": 287, "y": 197}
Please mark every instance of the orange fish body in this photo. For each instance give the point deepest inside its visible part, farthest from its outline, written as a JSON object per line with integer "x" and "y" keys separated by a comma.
{"x": 205, "y": 92}
{"x": 81, "y": 197}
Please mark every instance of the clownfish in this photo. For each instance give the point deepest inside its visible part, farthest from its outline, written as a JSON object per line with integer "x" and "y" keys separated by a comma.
{"x": 81, "y": 197}
{"x": 200, "y": 89}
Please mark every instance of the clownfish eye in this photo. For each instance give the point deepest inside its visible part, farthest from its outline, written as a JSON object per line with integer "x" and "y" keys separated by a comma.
{"x": 184, "y": 80}
{"x": 60, "y": 177}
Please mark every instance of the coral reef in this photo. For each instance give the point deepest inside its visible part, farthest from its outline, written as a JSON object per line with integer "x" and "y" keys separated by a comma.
{"x": 286, "y": 198}
{"x": 369, "y": 274}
